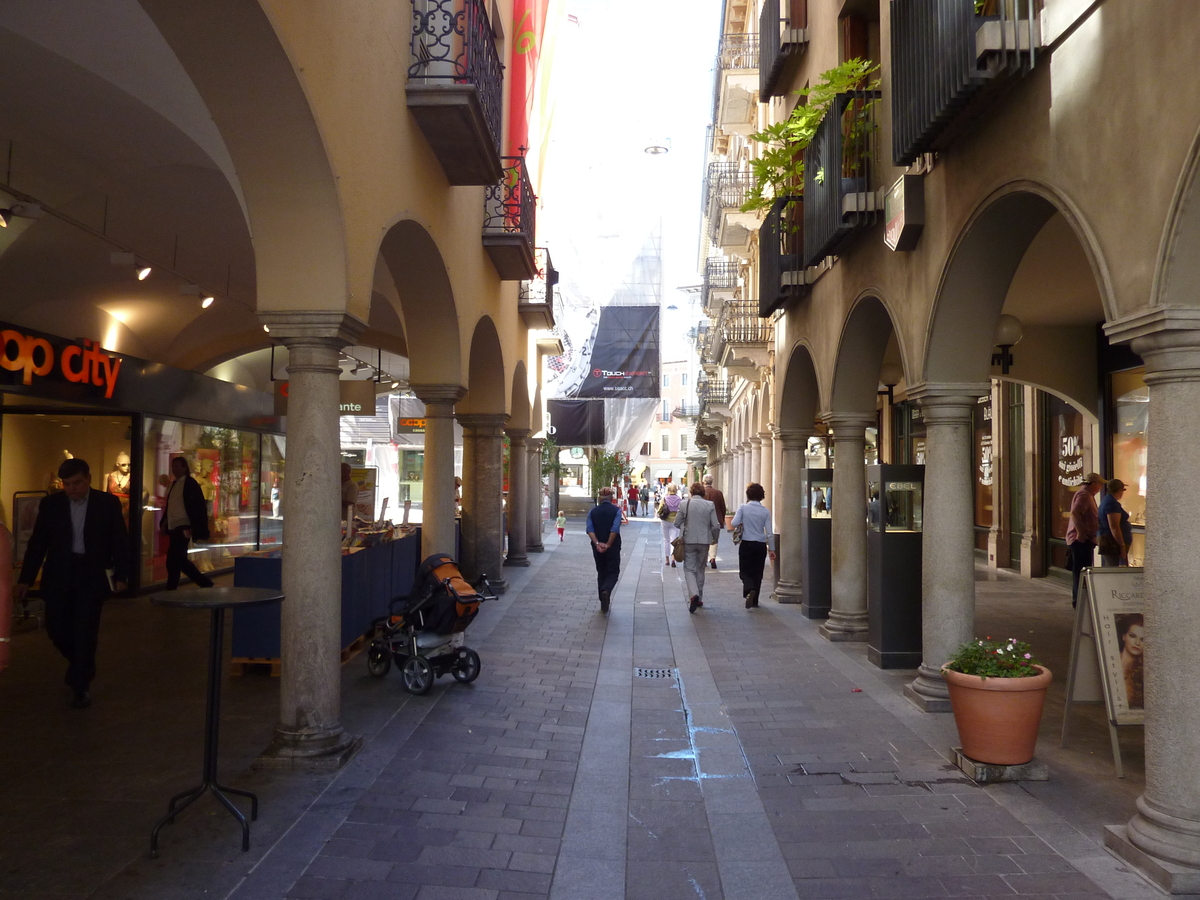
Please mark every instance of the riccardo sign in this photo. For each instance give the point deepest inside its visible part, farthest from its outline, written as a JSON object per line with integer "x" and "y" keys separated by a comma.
{"x": 355, "y": 398}
{"x": 29, "y": 355}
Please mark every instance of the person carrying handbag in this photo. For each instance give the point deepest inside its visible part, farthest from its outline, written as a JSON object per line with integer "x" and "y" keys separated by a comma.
{"x": 699, "y": 527}
{"x": 666, "y": 514}
{"x": 752, "y": 533}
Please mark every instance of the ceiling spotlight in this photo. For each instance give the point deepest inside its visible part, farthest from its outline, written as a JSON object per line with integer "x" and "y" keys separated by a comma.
{"x": 207, "y": 302}
{"x": 23, "y": 210}
{"x": 141, "y": 269}
{"x": 5, "y": 215}
{"x": 395, "y": 384}
{"x": 266, "y": 329}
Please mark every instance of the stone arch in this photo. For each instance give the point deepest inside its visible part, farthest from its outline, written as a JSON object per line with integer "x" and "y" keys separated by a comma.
{"x": 520, "y": 411}
{"x": 427, "y": 307}
{"x": 765, "y": 413}
{"x": 799, "y": 398}
{"x": 860, "y": 354}
{"x": 1177, "y": 273}
{"x": 485, "y": 372}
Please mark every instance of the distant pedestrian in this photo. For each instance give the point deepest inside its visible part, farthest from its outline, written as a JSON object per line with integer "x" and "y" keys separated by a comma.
{"x": 604, "y": 531}
{"x": 756, "y": 543}
{"x": 697, "y": 522}
{"x": 644, "y": 499}
{"x": 717, "y": 499}
{"x": 666, "y": 513}
{"x": 632, "y": 494}
{"x": 1116, "y": 534}
{"x": 561, "y": 524}
{"x": 1083, "y": 528}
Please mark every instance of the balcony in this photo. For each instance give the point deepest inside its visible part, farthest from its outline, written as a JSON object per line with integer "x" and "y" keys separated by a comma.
{"x": 508, "y": 223}
{"x": 783, "y": 37}
{"x": 780, "y": 247}
{"x": 714, "y": 399}
{"x": 720, "y": 283}
{"x": 686, "y": 411}
{"x": 455, "y": 88}
{"x": 950, "y": 65}
{"x": 840, "y": 196}
{"x": 746, "y": 339}
{"x": 735, "y": 103}
{"x": 726, "y": 189}
{"x": 535, "y": 298}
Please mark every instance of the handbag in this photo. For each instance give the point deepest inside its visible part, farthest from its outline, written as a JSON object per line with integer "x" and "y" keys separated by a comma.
{"x": 677, "y": 552}
{"x": 664, "y": 512}
{"x": 1109, "y": 546}
{"x": 737, "y": 533}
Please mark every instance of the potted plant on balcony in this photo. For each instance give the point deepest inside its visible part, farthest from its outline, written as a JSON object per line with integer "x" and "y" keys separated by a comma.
{"x": 997, "y": 692}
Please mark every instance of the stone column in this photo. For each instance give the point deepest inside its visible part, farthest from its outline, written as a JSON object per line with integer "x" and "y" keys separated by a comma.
{"x": 483, "y": 498}
{"x": 755, "y": 460}
{"x": 789, "y": 513}
{"x": 1163, "y": 837}
{"x": 518, "y": 497}
{"x": 533, "y": 523}
{"x": 848, "y": 613}
{"x": 948, "y": 543}
{"x": 766, "y": 467}
{"x": 310, "y": 733}
{"x": 437, "y": 501}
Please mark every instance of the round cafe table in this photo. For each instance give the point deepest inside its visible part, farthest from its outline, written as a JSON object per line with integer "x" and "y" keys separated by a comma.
{"x": 216, "y": 599}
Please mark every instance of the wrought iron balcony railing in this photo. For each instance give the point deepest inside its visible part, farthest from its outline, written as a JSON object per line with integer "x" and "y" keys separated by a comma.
{"x": 741, "y": 323}
{"x": 535, "y": 297}
{"x": 738, "y": 51}
{"x": 948, "y": 63}
{"x": 712, "y": 393}
{"x": 727, "y": 187}
{"x": 508, "y": 222}
{"x": 780, "y": 246}
{"x": 839, "y": 180}
{"x": 783, "y": 34}
{"x": 455, "y": 87}
{"x": 720, "y": 274}
{"x": 686, "y": 411}
{"x": 700, "y": 337}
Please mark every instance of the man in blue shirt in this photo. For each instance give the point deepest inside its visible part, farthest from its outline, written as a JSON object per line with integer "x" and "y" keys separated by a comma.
{"x": 604, "y": 530}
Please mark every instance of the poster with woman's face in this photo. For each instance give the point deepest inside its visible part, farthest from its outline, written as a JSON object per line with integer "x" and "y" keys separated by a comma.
{"x": 1119, "y": 611}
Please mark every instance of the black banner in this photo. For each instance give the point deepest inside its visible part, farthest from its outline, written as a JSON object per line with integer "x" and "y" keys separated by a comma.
{"x": 576, "y": 423}
{"x": 625, "y": 355}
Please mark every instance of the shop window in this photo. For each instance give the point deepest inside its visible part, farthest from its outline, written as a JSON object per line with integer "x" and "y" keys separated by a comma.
{"x": 1131, "y": 422}
{"x": 1067, "y": 459}
{"x": 984, "y": 472}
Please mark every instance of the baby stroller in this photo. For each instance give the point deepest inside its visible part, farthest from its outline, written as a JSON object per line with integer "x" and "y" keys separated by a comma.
{"x": 424, "y": 631}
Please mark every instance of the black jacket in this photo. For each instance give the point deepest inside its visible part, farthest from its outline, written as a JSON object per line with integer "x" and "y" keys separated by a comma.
{"x": 104, "y": 540}
{"x": 196, "y": 507}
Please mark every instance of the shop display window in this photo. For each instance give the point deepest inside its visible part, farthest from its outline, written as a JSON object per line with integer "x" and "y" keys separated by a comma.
{"x": 820, "y": 499}
{"x": 902, "y": 509}
{"x": 1131, "y": 423}
{"x": 226, "y": 464}
{"x": 1068, "y": 460}
{"x": 270, "y": 504}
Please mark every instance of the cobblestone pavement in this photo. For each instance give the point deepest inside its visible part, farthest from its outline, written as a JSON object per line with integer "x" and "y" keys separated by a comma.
{"x": 645, "y": 754}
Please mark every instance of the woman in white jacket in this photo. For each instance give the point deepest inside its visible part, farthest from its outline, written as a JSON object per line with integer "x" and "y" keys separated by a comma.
{"x": 699, "y": 526}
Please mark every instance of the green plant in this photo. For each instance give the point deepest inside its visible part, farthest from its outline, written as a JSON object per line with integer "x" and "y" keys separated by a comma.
{"x": 994, "y": 659}
{"x": 779, "y": 170}
{"x": 607, "y": 468}
{"x": 550, "y": 463}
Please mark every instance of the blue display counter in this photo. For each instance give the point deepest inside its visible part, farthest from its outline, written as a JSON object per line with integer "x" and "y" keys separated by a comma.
{"x": 370, "y": 578}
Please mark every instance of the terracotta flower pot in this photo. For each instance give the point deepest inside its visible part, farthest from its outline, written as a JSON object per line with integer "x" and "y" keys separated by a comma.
{"x": 998, "y": 718}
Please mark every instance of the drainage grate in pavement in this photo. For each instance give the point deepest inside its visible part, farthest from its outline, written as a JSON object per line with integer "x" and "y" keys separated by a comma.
{"x": 654, "y": 673}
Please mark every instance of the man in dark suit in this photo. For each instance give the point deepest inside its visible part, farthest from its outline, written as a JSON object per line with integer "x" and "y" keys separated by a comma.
{"x": 185, "y": 517}
{"x": 79, "y": 534}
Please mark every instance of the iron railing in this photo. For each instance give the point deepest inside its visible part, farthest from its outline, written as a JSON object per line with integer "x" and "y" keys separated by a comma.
{"x": 699, "y": 335}
{"x": 741, "y": 323}
{"x": 782, "y": 29}
{"x": 780, "y": 246}
{"x": 720, "y": 274}
{"x": 686, "y": 410}
{"x": 509, "y": 207}
{"x": 453, "y": 43}
{"x": 943, "y": 56}
{"x": 712, "y": 393}
{"x": 727, "y": 187}
{"x": 738, "y": 51}
{"x": 540, "y": 289}
{"x": 839, "y": 182}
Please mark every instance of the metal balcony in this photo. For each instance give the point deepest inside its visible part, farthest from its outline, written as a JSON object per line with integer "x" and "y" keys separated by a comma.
{"x": 686, "y": 411}
{"x": 949, "y": 65}
{"x": 720, "y": 282}
{"x": 780, "y": 246}
{"x": 735, "y": 91}
{"x": 508, "y": 223}
{"x": 840, "y": 196}
{"x": 535, "y": 298}
{"x": 783, "y": 37}
{"x": 745, "y": 339}
{"x": 714, "y": 398}
{"x": 455, "y": 87}
{"x": 726, "y": 189}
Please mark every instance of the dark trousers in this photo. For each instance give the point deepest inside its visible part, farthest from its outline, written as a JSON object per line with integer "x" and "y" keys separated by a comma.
{"x": 73, "y": 624}
{"x": 1079, "y": 557}
{"x": 178, "y": 562}
{"x": 752, "y": 556}
{"x": 608, "y": 566}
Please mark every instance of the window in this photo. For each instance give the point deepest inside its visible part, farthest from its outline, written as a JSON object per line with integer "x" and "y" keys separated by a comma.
{"x": 645, "y": 448}
{"x": 666, "y": 381}
{"x": 666, "y": 443}
{"x": 666, "y": 410}
{"x": 683, "y": 445}
{"x": 683, "y": 380}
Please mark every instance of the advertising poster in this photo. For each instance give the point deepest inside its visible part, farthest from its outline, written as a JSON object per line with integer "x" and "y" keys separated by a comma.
{"x": 367, "y": 479}
{"x": 1118, "y": 609}
{"x": 624, "y": 361}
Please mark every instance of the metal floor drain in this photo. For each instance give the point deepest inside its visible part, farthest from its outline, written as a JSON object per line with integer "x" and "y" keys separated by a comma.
{"x": 655, "y": 673}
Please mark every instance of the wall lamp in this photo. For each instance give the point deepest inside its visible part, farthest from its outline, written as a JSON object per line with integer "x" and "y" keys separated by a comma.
{"x": 890, "y": 375}
{"x": 121, "y": 258}
{"x": 193, "y": 290}
{"x": 1007, "y": 335}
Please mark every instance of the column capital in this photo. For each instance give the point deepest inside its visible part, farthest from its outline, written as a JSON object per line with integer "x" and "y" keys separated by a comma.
{"x": 535, "y": 443}
{"x": 849, "y": 425}
{"x": 482, "y": 424}
{"x": 517, "y": 435}
{"x": 319, "y": 326}
{"x": 764, "y": 436}
{"x": 1168, "y": 340}
{"x": 756, "y": 440}
{"x": 438, "y": 393}
{"x": 949, "y": 404}
{"x": 793, "y": 438}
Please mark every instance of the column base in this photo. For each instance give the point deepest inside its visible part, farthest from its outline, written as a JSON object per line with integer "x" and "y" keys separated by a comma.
{"x": 840, "y": 628}
{"x": 514, "y": 560}
{"x": 539, "y": 547}
{"x": 298, "y": 750}
{"x": 1171, "y": 877}
{"x": 788, "y": 592}
{"x": 928, "y": 691}
{"x": 499, "y": 585}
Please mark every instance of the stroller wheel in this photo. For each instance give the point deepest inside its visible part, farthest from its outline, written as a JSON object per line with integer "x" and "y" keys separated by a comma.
{"x": 466, "y": 669}
{"x": 418, "y": 675}
{"x": 379, "y": 660}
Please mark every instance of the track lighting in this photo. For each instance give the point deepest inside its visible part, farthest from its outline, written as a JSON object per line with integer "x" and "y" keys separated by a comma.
{"x": 21, "y": 210}
{"x": 5, "y": 215}
{"x": 122, "y": 258}
{"x": 193, "y": 290}
{"x": 207, "y": 302}
{"x": 266, "y": 329}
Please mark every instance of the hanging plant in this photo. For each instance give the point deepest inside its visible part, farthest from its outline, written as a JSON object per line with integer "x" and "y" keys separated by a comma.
{"x": 779, "y": 170}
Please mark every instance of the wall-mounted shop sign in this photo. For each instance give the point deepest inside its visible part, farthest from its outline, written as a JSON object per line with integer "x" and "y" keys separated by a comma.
{"x": 410, "y": 426}
{"x": 904, "y": 212}
{"x": 29, "y": 354}
{"x": 355, "y": 398}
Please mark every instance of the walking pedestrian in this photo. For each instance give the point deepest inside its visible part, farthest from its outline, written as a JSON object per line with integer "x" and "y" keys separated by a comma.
{"x": 644, "y": 498}
{"x": 1115, "y": 532}
{"x": 561, "y": 524}
{"x": 756, "y": 542}
{"x": 717, "y": 499}
{"x": 698, "y": 524}
{"x": 1083, "y": 527}
{"x": 666, "y": 513}
{"x": 632, "y": 494}
{"x": 604, "y": 531}
{"x": 184, "y": 518}
{"x": 79, "y": 534}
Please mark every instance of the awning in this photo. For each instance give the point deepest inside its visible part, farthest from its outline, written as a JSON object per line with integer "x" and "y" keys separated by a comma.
{"x": 662, "y": 473}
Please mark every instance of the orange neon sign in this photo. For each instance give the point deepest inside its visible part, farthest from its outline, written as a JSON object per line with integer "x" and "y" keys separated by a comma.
{"x": 85, "y": 363}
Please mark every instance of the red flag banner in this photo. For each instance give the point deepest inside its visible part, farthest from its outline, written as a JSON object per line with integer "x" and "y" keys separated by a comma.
{"x": 529, "y": 21}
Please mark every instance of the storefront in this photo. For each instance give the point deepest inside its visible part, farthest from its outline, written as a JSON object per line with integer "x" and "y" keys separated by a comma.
{"x": 129, "y": 418}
